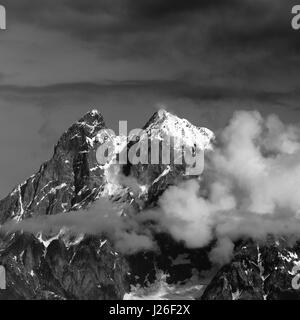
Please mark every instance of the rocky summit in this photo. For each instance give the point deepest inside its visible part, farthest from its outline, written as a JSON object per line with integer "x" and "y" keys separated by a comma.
{"x": 60, "y": 265}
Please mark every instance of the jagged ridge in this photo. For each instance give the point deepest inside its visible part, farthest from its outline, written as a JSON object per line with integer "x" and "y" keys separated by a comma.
{"x": 60, "y": 266}
{"x": 41, "y": 265}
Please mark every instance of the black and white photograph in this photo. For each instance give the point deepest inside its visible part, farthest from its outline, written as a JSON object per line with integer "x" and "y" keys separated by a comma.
{"x": 150, "y": 150}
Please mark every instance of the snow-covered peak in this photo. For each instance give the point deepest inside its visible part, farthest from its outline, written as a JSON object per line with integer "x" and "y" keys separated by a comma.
{"x": 94, "y": 112}
{"x": 165, "y": 124}
{"x": 91, "y": 117}
{"x": 92, "y": 121}
{"x": 162, "y": 113}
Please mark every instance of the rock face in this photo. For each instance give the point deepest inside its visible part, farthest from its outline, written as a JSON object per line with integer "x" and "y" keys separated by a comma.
{"x": 61, "y": 268}
{"x": 260, "y": 272}
{"x": 69, "y": 180}
{"x": 84, "y": 267}
{"x": 64, "y": 266}
{"x": 87, "y": 270}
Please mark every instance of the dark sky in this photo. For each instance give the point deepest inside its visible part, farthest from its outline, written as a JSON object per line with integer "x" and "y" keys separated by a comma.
{"x": 202, "y": 59}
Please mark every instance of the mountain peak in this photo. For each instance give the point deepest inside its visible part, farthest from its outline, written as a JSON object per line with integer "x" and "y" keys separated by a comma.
{"x": 92, "y": 118}
{"x": 162, "y": 113}
{"x": 159, "y": 116}
{"x": 90, "y": 123}
{"x": 83, "y": 131}
{"x": 164, "y": 123}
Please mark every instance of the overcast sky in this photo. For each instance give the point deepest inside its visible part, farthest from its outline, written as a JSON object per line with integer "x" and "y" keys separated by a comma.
{"x": 202, "y": 59}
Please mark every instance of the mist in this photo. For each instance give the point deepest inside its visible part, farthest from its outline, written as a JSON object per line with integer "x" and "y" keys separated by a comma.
{"x": 103, "y": 218}
{"x": 249, "y": 190}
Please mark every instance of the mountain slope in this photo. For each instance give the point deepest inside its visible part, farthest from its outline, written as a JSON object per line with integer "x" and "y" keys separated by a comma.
{"x": 68, "y": 180}
{"x": 67, "y": 266}
{"x": 60, "y": 266}
{"x": 63, "y": 268}
{"x": 257, "y": 271}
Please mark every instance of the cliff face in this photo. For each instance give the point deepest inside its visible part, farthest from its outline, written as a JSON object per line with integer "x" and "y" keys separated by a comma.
{"x": 69, "y": 180}
{"x": 61, "y": 267}
{"x": 64, "y": 266}
{"x": 260, "y": 272}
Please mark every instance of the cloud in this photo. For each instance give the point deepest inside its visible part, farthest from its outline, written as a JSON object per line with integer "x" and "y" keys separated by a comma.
{"x": 145, "y": 28}
{"x": 250, "y": 188}
{"x": 222, "y": 252}
{"x": 211, "y": 57}
{"x": 240, "y": 45}
{"x": 103, "y": 219}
